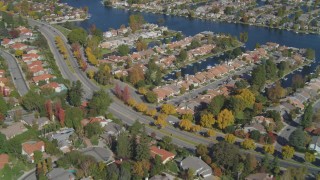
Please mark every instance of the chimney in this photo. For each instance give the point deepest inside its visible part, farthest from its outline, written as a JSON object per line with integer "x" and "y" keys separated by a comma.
{"x": 159, "y": 147}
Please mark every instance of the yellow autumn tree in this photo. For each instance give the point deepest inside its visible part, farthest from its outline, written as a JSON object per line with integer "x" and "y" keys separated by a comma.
{"x": 151, "y": 112}
{"x": 309, "y": 157}
{"x": 247, "y": 96}
{"x": 211, "y": 133}
{"x": 91, "y": 57}
{"x": 248, "y": 144}
{"x": 225, "y": 119}
{"x": 131, "y": 102}
{"x": 185, "y": 124}
{"x": 268, "y": 148}
{"x": 142, "y": 90}
{"x": 207, "y": 120}
{"x": 161, "y": 121}
{"x": 287, "y": 152}
{"x": 141, "y": 107}
{"x": 230, "y": 138}
{"x": 195, "y": 128}
{"x": 168, "y": 109}
{"x": 90, "y": 74}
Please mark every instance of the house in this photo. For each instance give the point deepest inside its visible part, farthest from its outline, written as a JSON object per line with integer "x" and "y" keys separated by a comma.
{"x": 254, "y": 127}
{"x": 30, "y": 120}
{"x": 62, "y": 137}
{"x": 60, "y": 173}
{"x": 100, "y": 154}
{"x": 24, "y": 31}
{"x": 43, "y": 77}
{"x": 163, "y": 176}
{"x": 112, "y": 129}
{"x": 13, "y": 130}
{"x": 55, "y": 86}
{"x": 165, "y": 155}
{"x": 260, "y": 176}
{"x": 29, "y": 148}
{"x": 200, "y": 167}
{"x": 6, "y": 42}
{"x": 99, "y": 119}
{"x": 18, "y": 46}
{"x": 315, "y": 144}
{"x": 4, "y": 159}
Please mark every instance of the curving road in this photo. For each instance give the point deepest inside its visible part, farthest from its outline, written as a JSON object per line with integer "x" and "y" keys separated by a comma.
{"x": 126, "y": 114}
{"x": 16, "y": 73}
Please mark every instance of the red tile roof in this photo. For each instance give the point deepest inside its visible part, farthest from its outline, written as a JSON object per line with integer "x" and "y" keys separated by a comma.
{"x": 52, "y": 85}
{"x": 42, "y": 77}
{"x": 29, "y": 148}
{"x": 4, "y": 159}
{"x": 165, "y": 155}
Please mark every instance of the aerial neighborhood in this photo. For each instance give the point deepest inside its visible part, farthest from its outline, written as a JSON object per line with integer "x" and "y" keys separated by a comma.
{"x": 142, "y": 94}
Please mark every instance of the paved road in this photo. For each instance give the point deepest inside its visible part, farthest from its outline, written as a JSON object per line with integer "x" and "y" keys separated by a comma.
{"x": 127, "y": 115}
{"x": 16, "y": 73}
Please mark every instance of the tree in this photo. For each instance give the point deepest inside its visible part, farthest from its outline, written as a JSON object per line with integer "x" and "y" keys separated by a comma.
{"x": 297, "y": 81}
{"x": 258, "y": 77}
{"x": 287, "y": 152}
{"x": 268, "y": 148}
{"x": 73, "y": 117}
{"x": 142, "y": 151}
{"x": 310, "y": 54}
{"x": 123, "y": 50}
{"x": 141, "y": 107}
{"x": 136, "y": 74}
{"x": 99, "y": 103}
{"x": 276, "y": 92}
{"x": 93, "y": 129}
{"x": 309, "y": 157}
{"x": 168, "y": 109}
{"x": 271, "y": 69}
{"x": 183, "y": 55}
{"x": 255, "y": 135}
{"x": 32, "y": 101}
{"x": 126, "y": 94}
{"x": 248, "y": 144}
{"x": 141, "y": 44}
{"x": 91, "y": 57}
{"x": 135, "y": 22}
{"x": 18, "y": 53}
{"x": 103, "y": 75}
{"x": 151, "y": 97}
{"x": 297, "y": 138}
{"x": 211, "y": 133}
{"x": 78, "y": 35}
{"x": 3, "y": 106}
{"x": 226, "y": 155}
{"x": 207, "y": 120}
{"x": 216, "y": 104}
{"x": 151, "y": 112}
{"x": 49, "y": 110}
{"x": 37, "y": 155}
{"x": 118, "y": 91}
{"x": 248, "y": 97}
{"x": 140, "y": 168}
{"x": 157, "y": 166}
{"x": 125, "y": 171}
{"x": 307, "y": 116}
{"x": 161, "y": 121}
{"x": 123, "y": 148}
{"x": 225, "y": 118}
{"x": 132, "y": 102}
{"x": 201, "y": 150}
{"x": 75, "y": 94}
{"x": 230, "y": 138}
{"x": 244, "y": 37}
{"x": 185, "y": 124}
{"x": 195, "y": 128}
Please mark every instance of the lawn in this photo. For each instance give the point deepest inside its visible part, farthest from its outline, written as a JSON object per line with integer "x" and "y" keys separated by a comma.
{"x": 63, "y": 30}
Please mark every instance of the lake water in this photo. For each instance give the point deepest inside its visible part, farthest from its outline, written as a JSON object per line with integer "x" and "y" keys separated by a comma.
{"x": 106, "y": 18}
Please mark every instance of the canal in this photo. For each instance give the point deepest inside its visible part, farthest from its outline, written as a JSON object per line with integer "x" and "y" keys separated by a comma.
{"x": 106, "y": 18}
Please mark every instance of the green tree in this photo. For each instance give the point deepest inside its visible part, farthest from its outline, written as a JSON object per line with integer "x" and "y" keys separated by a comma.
{"x": 151, "y": 97}
{"x": 135, "y": 22}
{"x": 216, "y": 104}
{"x": 99, "y": 103}
{"x": 125, "y": 171}
{"x": 297, "y": 138}
{"x": 271, "y": 69}
{"x": 73, "y": 118}
{"x": 201, "y": 150}
{"x": 3, "y": 106}
{"x": 142, "y": 151}
{"x": 78, "y": 35}
{"x": 93, "y": 129}
{"x": 75, "y": 94}
{"x": 310, "y": 53}
{"x": 226, "y": 155}
{"x": 182, "y": 55}
{"x": 307, "y": 116}
{"x": 258, "y": 77}
{"x": 123, "y": 50}
{"x": 37, "y": 155}
{"x": 123, "y": 148}
{"x": 33, "y": 101}
{"x": 157, "y": 166}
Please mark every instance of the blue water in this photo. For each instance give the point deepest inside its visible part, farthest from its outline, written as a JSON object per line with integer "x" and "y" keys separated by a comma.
{"x": 105, "y": 18}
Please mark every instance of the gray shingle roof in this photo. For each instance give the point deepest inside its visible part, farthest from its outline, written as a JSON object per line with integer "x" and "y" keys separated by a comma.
{"x": 60, "y": 174}
{"x": 99, "y": 153}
